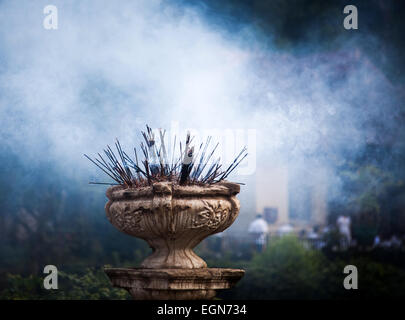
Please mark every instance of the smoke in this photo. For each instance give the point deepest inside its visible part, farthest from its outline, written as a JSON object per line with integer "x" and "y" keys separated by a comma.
{"x": 106, "y": 71}
{"x": 112, "y": 67}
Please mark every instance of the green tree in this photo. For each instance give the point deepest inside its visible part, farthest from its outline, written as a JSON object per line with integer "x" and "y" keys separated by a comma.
{"x": 286, "y": 270}
{"x": 91, "y": 285}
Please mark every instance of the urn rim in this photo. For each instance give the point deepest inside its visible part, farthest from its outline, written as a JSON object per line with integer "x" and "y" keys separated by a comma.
{"x": 223, "y": 188}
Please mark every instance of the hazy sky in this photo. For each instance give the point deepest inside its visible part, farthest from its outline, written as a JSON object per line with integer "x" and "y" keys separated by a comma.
{"x": 112, "y": 67}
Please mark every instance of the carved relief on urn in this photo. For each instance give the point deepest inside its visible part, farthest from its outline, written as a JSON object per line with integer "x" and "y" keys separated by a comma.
{"x": 173, "y": 218}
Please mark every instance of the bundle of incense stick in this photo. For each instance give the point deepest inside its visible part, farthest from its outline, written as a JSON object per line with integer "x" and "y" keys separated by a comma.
{"x": 188, "y": 168}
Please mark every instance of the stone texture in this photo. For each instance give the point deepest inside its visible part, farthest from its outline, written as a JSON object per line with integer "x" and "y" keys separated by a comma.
{"x": 173, "y": 284}
{"x": 173, "y": 219}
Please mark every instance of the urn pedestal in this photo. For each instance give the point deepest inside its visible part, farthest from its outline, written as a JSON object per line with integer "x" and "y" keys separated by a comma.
{"x": 173, "y": 219}
{"x": 173, "y": 284}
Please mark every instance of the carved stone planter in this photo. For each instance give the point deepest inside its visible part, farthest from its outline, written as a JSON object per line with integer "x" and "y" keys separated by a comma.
{"x": 173, "y": 219}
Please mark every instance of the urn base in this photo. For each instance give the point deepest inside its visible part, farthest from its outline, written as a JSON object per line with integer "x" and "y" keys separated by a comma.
{"x": 173, "y": 284}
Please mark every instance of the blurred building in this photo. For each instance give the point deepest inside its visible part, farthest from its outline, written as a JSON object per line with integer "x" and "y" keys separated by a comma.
{"x": 294, "y": 197}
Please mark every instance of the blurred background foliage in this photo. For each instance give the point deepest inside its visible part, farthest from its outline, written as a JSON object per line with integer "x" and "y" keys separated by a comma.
{"x": 288, "y": 270}
{"x": 90, "y": 285}
{"x": 285, "y": 270}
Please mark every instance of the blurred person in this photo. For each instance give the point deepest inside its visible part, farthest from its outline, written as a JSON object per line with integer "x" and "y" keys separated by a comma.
{"x": 285, "y": 229}
{"x": 313, "y": 235}
{"x": 395, "y": 241}
{"x": 315, "y": 238}
{"x": 377, "y": 241}
{"x": 302, "y": 234}
{"x": 259, "y": 229}
{"x": 343, "y": 223}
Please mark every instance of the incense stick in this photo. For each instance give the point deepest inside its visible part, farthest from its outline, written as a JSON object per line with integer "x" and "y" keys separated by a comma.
{"x": 187, "y": 168}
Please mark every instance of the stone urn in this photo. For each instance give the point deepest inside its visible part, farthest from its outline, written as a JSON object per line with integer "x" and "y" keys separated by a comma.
{"x": 173, "y": 219}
